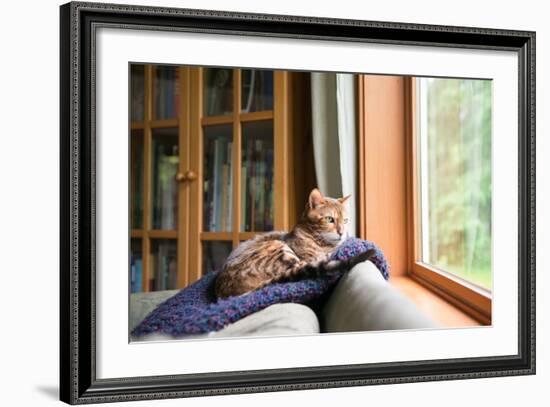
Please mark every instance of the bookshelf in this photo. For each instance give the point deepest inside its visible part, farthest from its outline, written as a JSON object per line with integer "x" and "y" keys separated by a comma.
{"x": 212, "y": 163}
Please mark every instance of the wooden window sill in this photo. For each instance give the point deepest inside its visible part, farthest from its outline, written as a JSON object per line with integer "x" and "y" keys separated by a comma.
{"x": 436, "y": 307}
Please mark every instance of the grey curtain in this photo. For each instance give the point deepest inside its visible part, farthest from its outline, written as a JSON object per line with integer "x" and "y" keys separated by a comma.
{"x": 334, "y": 137}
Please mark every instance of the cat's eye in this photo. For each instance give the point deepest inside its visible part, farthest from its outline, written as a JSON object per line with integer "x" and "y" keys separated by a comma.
{"x": 329, "y": 219}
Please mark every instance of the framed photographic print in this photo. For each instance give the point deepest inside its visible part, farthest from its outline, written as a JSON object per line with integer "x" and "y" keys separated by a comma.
{"x": 256, "y": 203}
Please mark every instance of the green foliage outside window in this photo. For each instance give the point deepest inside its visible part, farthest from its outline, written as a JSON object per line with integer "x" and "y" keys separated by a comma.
{"x": 458, "y": 193}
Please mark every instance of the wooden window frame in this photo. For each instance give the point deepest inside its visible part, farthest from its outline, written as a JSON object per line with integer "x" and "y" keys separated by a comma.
{"x": 388, "y": 203}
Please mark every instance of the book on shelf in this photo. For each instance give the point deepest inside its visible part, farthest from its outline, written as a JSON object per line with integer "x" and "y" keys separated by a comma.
{"x": 176, "y": 93}
{"x": 137, "y": 94}
{"x": 214, "y": 224}
{"x": 257, "y": 184}
{"x": 169, "y": 93}
{"x": 164, "y": 267}
{"x": 248, "y": 187}
{"x": 159, "y": 101}
{"x": 229, "y": 211}
{"x": 244, "y": 204}
{"x": 153, "y": 271}
{"x": 228, "y": 196}
{"x": 136, "y": 273}
{"x": 218, "y": 186}
{"x": 253, "y": 192}
{"x": 267, "y": 90}
{"x": 269, "y": 203}
{"x": 257, "y": 91}
{"x": 260, "y": 181}
{"x": 172, "y": 274}
{"x": 159, "y": 105}
{"x": 169, "y": 198}
{"x": 165, "y": 192}
{"x": 219, "y": 94}
{"x": 172, "y": 92}
{"x": 137, "y": 210}
{"x": 223, "y": 197}
{"x": 248, "y": 93}
{"x": 166, "y": 93}
{"x": 160, "y": 268}
{"x": 207, "y": 197}
{"x": 165, "y": 272}
{"x": 136, "y": 174}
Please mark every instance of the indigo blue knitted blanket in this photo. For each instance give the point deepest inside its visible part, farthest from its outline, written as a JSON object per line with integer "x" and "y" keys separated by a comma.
{"x": 195, "y": 310}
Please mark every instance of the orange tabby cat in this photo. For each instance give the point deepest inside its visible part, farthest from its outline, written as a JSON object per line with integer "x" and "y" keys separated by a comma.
{"x": 304, "y": 252}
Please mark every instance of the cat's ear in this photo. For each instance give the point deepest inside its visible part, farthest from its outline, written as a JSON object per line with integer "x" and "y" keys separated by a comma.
{"x": 315, "y": 199}
{"x": 344, "y": 199}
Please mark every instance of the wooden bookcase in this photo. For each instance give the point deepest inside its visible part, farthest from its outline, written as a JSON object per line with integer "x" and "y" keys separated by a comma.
{"x": 212, "y": 163}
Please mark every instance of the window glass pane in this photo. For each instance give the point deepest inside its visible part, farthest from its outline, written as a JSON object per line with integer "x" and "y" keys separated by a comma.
{"x": 214, "y": 255}
{"x": 163, "y": 262}
{"x": 136, "y": 266}
{"x": 257, "y": 176}
{"x": 166, "y": 92}
{"x": 165, "y": 187}
{"x": 137, "y": 95}
{"x": 218, "y": 91}
{"x": 455, "y": 177}
{"x": 257, "y": 90}
{"x": 218, "y": 179}
{"x": 136, "y": 179}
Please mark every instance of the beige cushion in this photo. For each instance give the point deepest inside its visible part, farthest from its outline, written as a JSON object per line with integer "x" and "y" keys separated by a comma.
{"x": 364, "y": 301}
{"x": 277, "y": 319}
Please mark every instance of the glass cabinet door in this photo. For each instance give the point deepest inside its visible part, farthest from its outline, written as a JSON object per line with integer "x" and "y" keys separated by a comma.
{"x": 155, "y": 159}
{"x": 237, "y": 201}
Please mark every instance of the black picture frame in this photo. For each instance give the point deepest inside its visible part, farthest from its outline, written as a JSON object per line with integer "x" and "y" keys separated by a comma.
{"x": 78, "y": 382}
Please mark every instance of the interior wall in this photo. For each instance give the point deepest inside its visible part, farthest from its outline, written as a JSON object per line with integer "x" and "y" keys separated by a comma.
{"x": 383, "y": 173}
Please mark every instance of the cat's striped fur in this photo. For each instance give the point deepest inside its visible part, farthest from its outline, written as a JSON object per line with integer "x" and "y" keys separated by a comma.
{"x": 303, "y": 252}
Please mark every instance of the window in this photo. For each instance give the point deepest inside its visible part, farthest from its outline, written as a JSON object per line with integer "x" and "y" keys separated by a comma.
{"x": 425, "y": 183}
{"x": 451, "y": 158}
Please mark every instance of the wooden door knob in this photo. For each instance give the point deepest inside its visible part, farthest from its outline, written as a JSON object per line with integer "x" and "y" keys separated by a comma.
{"x": 188, "y": 175}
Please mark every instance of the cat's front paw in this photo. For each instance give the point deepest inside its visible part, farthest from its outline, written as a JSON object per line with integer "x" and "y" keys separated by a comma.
{"x": 361, "y": 257}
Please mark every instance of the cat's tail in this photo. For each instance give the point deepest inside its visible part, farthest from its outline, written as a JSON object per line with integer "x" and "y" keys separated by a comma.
{"x": 324, "y": 268}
